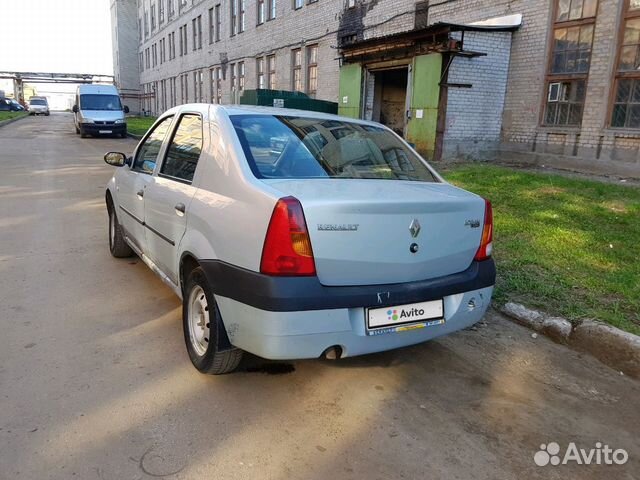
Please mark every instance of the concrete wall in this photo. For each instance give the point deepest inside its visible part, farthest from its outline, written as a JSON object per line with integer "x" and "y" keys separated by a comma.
{"x": 474, "y": 115}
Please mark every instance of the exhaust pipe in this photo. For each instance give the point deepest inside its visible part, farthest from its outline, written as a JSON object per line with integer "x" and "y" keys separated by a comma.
{"x": 333, "y": 353}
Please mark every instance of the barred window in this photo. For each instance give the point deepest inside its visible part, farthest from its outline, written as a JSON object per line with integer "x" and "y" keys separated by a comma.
{"x": 626, "y": 101}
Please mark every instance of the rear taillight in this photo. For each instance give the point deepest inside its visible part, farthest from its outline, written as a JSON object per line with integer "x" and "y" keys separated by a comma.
{"x": 486, "y": 244}
{"x": 287, "y": 247}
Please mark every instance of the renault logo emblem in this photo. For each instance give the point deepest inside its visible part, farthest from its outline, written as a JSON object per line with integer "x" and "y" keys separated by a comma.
{"x": 414, "y": 228}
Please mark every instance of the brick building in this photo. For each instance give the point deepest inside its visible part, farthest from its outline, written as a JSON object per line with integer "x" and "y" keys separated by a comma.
{"x": 552, "y": 81}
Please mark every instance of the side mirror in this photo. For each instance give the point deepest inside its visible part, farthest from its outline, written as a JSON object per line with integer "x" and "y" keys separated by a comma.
{"x": 115, "y": 159}
{"x": 74, "y": 109}
{"x": 125, "y": 109}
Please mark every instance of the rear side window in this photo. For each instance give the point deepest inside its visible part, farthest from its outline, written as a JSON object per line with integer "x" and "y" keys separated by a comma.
{"x": 184, "y": 150}
{"x": 147, "y": 154}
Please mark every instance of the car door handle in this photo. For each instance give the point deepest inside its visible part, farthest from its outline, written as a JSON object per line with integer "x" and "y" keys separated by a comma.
{"x": 140, "y": 194}
{"x": 180, "y": 208}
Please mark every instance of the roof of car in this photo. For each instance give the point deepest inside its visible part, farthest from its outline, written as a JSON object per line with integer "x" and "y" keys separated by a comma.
{"x": 259, "y": 110}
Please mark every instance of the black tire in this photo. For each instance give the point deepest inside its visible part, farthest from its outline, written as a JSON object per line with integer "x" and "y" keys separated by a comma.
{"x": 211, "y": 361}
{"x": 82, "y": 133}
{"x": 77, "y": 129}
{"x": 123, "y": 134}
{"x": 117, "y": 244}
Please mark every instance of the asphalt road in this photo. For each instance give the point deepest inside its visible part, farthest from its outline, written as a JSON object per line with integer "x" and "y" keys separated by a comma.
{"x": 95, "y": 382}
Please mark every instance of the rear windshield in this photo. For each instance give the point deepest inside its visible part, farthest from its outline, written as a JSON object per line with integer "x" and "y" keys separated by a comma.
{"x": 100, "y": 102}
{"x": 298, "y": 147}
{"x": 37, "y": 101}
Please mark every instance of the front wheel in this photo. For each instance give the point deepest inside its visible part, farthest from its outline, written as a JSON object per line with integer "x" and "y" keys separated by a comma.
{"x": 201, "y": 323}
{"x": 117, "y": 244}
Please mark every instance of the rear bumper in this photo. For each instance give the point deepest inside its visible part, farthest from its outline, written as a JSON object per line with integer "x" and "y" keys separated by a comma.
{"x": 291, "y": 294}
{"x": 294, "y": 318}
{"x": 298, "y": 335}
{"x": 93, "y": 129}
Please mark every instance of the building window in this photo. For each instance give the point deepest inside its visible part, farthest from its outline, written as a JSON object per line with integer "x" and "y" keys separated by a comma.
{"x": 184, "y": 41}
{"x": 626, "y": 100}
{"x": 234, "y": 79}
{"x": 146, "y": 24}
{"x": 170, "y": 12}
{"x": 296, "y": 70}
{"x": 218, "y": 22}
{"x": 241, "y": 13}
{"x": 570, "y": 62}
{"x": 240, "y": 77}
{"x": 261, "y": 11}
{"x": 153, "y": 17}
{"x": 161, "y": 11}
{"x": 271, "y": 66}
{"x": 141, "y": 61}
{"x": 312, "y": 70}
{"x": 218, "y": 85}
{"x": 212, "y": 85}
{"x": 272, "y": 9}
{"x": 234, "y": 17}
{"x": 298, "y": 4}
{"x": 212, "y": 24}
{"x": 197, "y": 86}
{"x": 139, "y": 31}
{"x": 351, "y": 3}
{"x": 260, "y": 72}
{"x": 194, "y": 33}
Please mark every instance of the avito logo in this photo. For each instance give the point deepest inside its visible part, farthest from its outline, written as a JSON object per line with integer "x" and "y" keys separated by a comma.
{"x": 393, "y": 315}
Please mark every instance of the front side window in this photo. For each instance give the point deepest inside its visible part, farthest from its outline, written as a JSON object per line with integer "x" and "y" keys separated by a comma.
{"x": 570, "y": 62}
{"x": 298, "y": 147}
{"x": 147, "y": 153}
{"x": 626, "y": 100}
{"x": 184, "y": 149}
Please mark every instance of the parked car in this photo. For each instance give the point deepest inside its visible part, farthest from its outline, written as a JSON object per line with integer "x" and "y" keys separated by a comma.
{"x": 99, "y": 111}
{"x": 329, "y": 245}
{"x": 10, "y": 105}
{"x": 38, "y": 106}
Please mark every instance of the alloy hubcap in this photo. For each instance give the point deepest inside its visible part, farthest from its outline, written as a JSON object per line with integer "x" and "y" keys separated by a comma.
{"x": 198, "y": 318}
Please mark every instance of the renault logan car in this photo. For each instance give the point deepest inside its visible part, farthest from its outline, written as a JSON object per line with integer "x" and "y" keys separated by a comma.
{"x": 293, "y": 234}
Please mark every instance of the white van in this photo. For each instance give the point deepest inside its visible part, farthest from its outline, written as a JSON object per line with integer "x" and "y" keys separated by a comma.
{"x": 99, "y": 111}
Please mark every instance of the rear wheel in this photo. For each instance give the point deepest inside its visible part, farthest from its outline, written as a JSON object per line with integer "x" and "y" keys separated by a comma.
{"x": 201, "y": 323}
{"x": 117, "y": 244}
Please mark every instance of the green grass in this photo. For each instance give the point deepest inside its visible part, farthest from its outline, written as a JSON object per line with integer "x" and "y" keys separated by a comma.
{"x": 566, "y": 246}
{"x": 139, "y": 125}
{"x": 8, "y": 115}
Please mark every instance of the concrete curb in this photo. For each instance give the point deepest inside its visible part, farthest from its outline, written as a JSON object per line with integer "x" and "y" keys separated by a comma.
{"x": 134, "y": 136}
{"x": 11, "y": 120}
{"x": 612, "y": 346}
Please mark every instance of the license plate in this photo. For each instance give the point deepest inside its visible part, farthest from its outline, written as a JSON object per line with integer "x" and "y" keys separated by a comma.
{"x": 105, "y": 131}
{"x": 405, "y": 317}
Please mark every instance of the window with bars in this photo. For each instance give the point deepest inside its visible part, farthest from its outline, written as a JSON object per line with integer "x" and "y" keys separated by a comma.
{"x": 569, "y": 62}
{"x": 626, "y": 100}
{"x": 260, "y": 72}
{"x": 296, "y": 70}
{"x": 241, "y": 15}
{"x": 312, "y": 70}
{"x": 240, "y": 77}
{"x": 234, "y": 17}
{"x": 272, "y": 9}
{"x": 271, "y": 67}
{"x": 212, "y": 24}
{"x": 218, "y": 22}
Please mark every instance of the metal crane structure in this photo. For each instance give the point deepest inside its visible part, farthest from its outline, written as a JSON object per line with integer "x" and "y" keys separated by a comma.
{"x": 43, "y": 77}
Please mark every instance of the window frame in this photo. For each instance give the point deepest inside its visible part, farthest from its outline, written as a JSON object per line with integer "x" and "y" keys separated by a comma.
{"x": 145, "y": 138}
{"x": 174, "y": 129}
{"x": 625, "y": 15}
{"x": 552, "y": 78}
{"x": 308, "y": 66}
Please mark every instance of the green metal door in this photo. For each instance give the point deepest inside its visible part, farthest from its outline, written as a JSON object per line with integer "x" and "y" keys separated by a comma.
{"x": 424, "y": 97}
{"x": 350, "y": 90}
